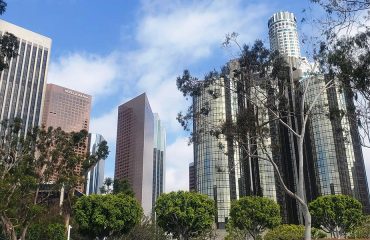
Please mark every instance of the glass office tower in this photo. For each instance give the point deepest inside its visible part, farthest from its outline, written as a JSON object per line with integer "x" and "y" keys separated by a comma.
{"x": 159, "y": 158}
{"x": 217, "y": 170}
{"x": 22, "y": 85}
{"x": 95, "y": 175}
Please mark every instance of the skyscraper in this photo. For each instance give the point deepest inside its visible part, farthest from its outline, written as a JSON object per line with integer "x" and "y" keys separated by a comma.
{"x": 159, "y": 158}
{"x": 283, "y": 34}
{"x": 192, "y": 180}
{"x": 134, "y": 148}
{"x": 95, "y": 175}
{"x": 217, "y": 174}
{"x": 69, "y": 110}
{"x": 22, "y": 84}
{"x": 333, "y": 156}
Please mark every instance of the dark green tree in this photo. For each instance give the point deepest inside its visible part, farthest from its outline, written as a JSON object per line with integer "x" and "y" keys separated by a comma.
{"x": 107, "y": 187}
{"x": 336, "y": 214}
{"x": 8, "y": 44}
{"x": 253, "y": 215}
{"x": 185, "y": 214}
{"x": 100, "y": 216}
{"x": 33, "y": 170}
{"x": 123, "y": 186}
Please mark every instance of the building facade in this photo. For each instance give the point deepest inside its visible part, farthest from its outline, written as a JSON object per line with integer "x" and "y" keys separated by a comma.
{"x": 217, "y": 169}
{"x": 69, "y": 110}
{"x": 134, "y": 148}
{"x": 22, "y": 85}
{"x": 159, "y": 158}
{"x": 192, "y": 180}
{"x": 95, "y": 176}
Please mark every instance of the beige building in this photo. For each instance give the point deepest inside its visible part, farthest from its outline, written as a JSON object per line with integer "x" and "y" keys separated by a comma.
{"x": 22, "y": 85}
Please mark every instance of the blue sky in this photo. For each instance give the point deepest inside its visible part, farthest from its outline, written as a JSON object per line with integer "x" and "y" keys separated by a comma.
{"x": 117, "y": 49}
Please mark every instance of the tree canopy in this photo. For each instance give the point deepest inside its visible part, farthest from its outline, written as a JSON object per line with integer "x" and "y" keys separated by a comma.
{"x": 106, "y": 215}
{"x": 123, "y": 186}
{"x": 336, "y": 214}
{"x": 253, "y": 215}
{"x": 185, "y": 214}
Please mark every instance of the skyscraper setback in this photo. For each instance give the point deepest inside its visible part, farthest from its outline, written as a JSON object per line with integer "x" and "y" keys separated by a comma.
{"x": 22, "y": 84}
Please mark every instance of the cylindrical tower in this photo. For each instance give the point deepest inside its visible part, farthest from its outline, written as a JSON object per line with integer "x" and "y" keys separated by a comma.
{"x": 283, "y": 34}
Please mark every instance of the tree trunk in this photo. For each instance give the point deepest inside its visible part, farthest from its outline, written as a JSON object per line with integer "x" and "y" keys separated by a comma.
{"x": 24, "y": 232}
{"x": 307, "y": 225}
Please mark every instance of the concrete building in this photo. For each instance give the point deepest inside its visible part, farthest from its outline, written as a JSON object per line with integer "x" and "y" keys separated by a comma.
{"x": 134, "y": 148}
{"x": 69, "y": 110}
{"x": 159, "y": 158}
{"x": 95, "y": 176}
{"x": 22, "y": 85}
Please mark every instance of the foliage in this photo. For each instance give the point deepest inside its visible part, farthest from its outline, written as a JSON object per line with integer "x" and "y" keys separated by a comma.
{"x": 363, "y": 229}
{"x": 8, "y": 44}
{"x": 33, "y": 169}
{"x": 291, "y": 232}
{"x": 123, "y": 186}
{"x": 336, "y": 214}
{"x": 253, "y": 215}
{"x": 55, "y": 231}
{"x": 146, "y": 230}
{"x": 106, "y": 215}
{"x": 185, "y": 214}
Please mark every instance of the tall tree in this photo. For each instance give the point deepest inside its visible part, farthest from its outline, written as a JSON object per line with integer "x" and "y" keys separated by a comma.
{"x": 254, "y": 215}
{"x": 34, "y": 169}
{"x": 185, "y": 214}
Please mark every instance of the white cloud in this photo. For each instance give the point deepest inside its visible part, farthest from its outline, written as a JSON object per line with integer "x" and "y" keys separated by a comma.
{"x": 87, "y": 73}
{"x": 106, "y": 125}
{"x": 178, "y": 157}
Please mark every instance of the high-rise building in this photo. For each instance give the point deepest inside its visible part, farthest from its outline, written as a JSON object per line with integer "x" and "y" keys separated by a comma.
{"x": 69, "y": 110}
{"x": 95, "y": 175}
{"x": 134, "y": 148}
{"x": 22, "y": 85}
{"x": 217, "y": 174}
{"x": 159, "y": 158}
{"x": 333, "y": 155}
{"x": 283, "y": 34}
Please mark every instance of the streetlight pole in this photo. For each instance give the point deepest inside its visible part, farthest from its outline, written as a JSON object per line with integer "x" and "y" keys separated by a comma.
{"x": 69, "y": 232}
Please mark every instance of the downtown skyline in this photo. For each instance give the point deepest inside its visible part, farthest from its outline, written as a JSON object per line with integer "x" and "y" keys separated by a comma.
{"x": 133, "y": 58}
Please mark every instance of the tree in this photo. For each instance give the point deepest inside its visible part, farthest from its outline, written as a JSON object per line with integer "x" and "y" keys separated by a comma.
{"x": 363, "y": 229}
{"x": 106, "y": 215}
{"x": 106, "y": 188}
{"x": 336, "y": 214}
{"x": 34, "y": 167}
{"x": 123, "y": 186}
{"x": 254, "y": 215}
{"x": 271, "y": 95}
{"x": 291, "y": 232}
{"x": 185, "y": 214}
{"x": 8, "y": 44}
{"x": 146, "y": 230}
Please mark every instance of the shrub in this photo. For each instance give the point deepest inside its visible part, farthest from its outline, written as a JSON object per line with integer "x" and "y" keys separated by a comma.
{"x": 292, "y": 232}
